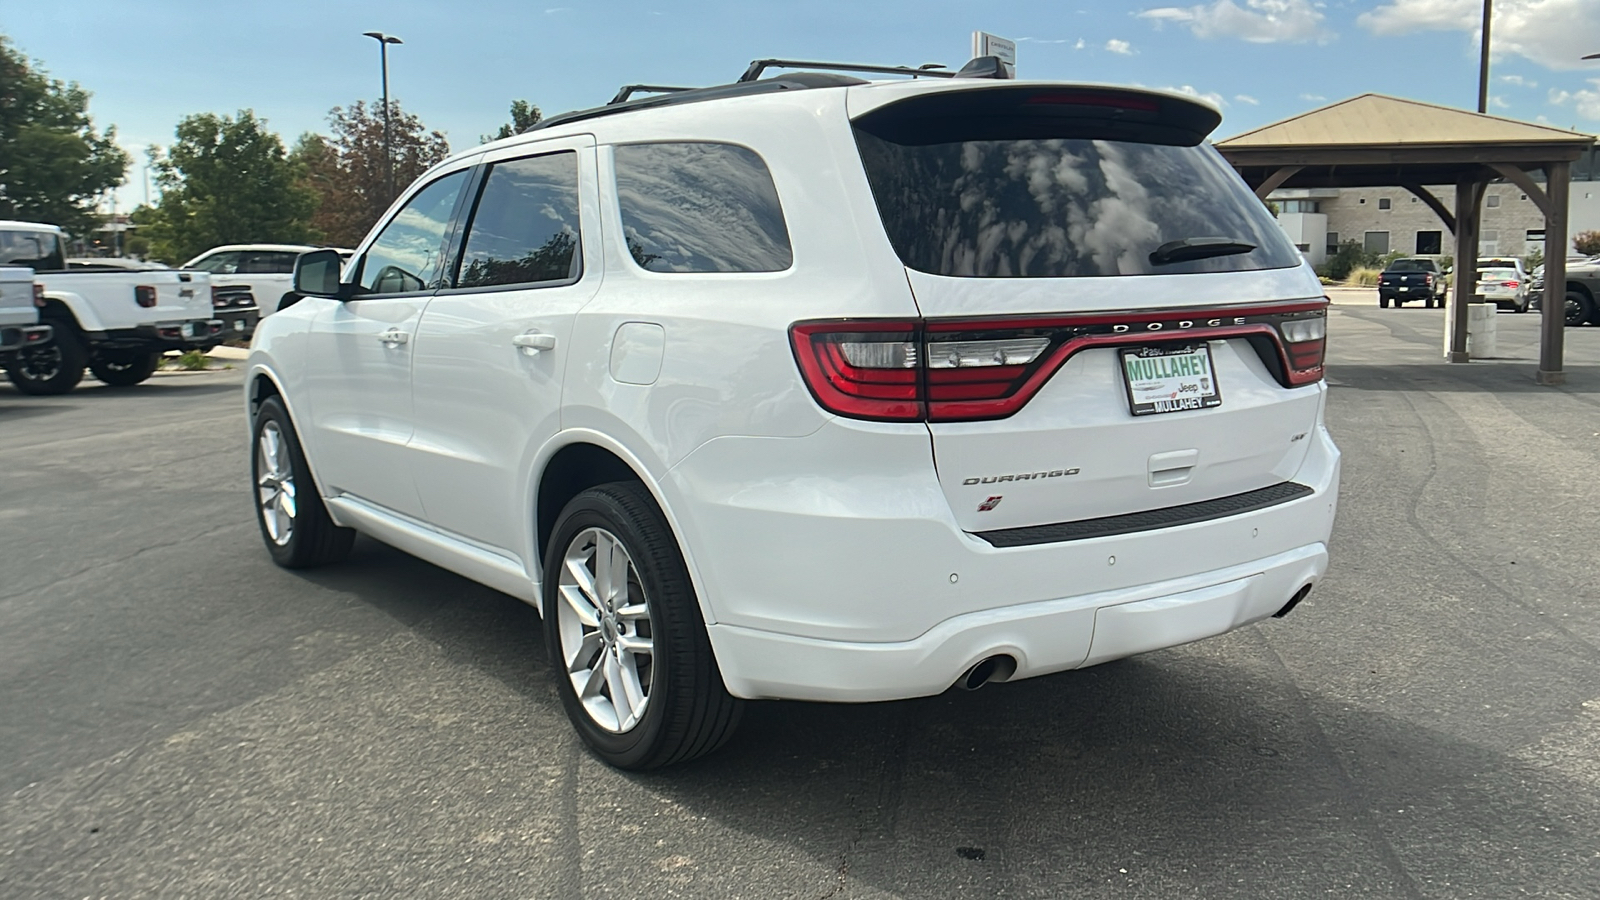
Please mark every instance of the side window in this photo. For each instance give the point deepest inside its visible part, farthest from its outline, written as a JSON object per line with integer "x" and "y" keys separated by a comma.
{"x": 38, "y": 250}
{"x": 281, "y": 262}
{"x": 267, "y": 262}
{"x": 220, "y": 263}
{"x": 525, "y": 229}
{"x": 700, "y": 207}
{"x": 406, "y": 256}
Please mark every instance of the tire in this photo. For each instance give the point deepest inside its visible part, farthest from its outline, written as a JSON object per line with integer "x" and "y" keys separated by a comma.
{"x": 294, "y": 522}
{"x": 1580, "y": 308}
{"x": 1428, "y": 302}
{"x": 54, "y": 368}
{"x": 653, "y": 653}
{"x": 124, "y": 368}
{"x": 1383, "y": 302}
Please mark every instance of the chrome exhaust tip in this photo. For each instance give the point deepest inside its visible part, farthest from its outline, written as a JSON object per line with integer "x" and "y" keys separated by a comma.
{"x": 993, "y": 668}
{"x": 1293, "y": 602}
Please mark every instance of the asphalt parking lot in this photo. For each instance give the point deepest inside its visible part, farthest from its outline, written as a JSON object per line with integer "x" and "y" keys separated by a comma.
{"x": 179, "y": 718}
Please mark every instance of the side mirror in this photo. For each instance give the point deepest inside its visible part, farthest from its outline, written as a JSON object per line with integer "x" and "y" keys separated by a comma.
{"x": 316, "y": 274}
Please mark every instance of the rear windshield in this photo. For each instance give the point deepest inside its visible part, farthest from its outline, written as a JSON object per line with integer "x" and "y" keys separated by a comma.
{"x": 1069, "y": 207}
{"x": 1411, "y": 265}
{"x": 38, "y": 250}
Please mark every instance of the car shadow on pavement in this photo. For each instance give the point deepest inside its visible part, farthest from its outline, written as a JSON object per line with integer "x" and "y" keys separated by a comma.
{"x": 1200, "y": 770}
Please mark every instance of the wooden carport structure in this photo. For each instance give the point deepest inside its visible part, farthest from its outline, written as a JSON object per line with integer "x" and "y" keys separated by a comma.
{"x": 1378, "y": 141}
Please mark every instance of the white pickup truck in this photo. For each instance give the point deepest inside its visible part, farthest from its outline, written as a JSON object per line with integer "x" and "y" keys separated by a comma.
{"x": 263, "y": 273}
{"x": 20, "y": 299}
{"x": 115, "y": 323}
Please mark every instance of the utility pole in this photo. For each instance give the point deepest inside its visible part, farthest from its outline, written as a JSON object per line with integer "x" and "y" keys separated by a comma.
{"x": 1483, "y": 63}
{"x": 384, "y": 40}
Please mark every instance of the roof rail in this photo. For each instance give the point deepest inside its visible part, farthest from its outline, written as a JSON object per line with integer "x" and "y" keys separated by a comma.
{"x": 761, "y": 65}
{"x": 628, "y": 90}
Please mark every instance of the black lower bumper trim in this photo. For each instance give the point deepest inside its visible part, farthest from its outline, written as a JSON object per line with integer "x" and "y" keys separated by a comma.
{"x": 1150, "y": 519}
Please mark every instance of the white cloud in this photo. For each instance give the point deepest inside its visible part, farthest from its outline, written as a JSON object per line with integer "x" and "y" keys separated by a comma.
{"x": 1189, "y": 89}
{"x": 1119, "y": 46}
{"x": 1498, "y": 102}
{"x": 1313, "y": 98}
{"x": 1258, "y": 21}
{"x": 1519, "y": 81}
{"x": 1034, "y": 40}
{"x": 1080, "y": 44}
{"x": 1246, "y": 98}
{"x": 1553, "y": 33}
{"x": 1584, "y": 100}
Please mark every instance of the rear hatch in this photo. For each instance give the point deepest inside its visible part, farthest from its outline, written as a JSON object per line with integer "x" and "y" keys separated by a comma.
{"x": 1112, "y": 321}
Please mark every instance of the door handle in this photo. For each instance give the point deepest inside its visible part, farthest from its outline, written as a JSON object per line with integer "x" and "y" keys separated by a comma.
{"x": 394, "y": 337}
{"x": 532, "y": 342}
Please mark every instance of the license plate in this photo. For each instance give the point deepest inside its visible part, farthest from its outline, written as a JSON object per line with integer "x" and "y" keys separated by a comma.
{"x": 1170, "y": 379}
{"x": 238, "y": 324}
{"x": 1403, "y": 290}
{"x": 187, "y": 330}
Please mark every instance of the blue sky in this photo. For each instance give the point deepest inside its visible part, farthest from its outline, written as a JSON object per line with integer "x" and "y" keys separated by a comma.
{"x": 153, "y": 62}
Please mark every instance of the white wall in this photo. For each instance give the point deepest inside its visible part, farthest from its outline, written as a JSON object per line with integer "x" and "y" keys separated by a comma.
{"x": 1308, "y": 231}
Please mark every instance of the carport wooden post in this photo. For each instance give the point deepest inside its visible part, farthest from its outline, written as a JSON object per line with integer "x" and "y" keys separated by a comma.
{"x": 1553, "y": 307}
{"x": 1465, "y": 276}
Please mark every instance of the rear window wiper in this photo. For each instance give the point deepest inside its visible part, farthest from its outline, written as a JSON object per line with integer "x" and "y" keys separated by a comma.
{"x": 1187, "y": 249}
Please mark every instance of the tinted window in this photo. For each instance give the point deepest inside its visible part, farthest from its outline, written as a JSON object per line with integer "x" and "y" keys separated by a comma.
{"x": 700, "y": 207}
{"x": 38, "y": 250}
{"x": 220, "y": 263}
{"x": 267, "y": 262}
{"x": 407, "y": 254}
{"x": 1411, "y": 265}
{"x": 525, "y": 229}
{"x": 1063, "y": 207}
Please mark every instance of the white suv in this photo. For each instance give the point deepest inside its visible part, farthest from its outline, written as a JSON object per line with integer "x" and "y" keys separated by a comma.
{"x": 816, "y": 388}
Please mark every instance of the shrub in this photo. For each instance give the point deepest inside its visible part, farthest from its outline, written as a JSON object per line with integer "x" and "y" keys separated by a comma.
{"x": 193, "y": 360}
{"x": 1587, "y": 242}
{"x": 1350, "y": 255}
{"x": 1363, "y": 277}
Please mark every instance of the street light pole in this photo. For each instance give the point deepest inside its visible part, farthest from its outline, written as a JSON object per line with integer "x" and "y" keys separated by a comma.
{"x": 1483, "y": 63}
{"x": 384, "y": 40}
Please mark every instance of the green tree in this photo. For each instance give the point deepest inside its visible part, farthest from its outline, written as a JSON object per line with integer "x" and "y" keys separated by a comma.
{"x": 53, "y": 164}
{"x": 348, "y": 173}
{"x": 524, "y": 115}
{"x": 224, "y": 181}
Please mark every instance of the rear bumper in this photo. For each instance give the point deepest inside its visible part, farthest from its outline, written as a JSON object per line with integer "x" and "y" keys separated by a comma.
{"x": 199, "y": 334}
{"x": 861, "y": 586}
{"x": 1043, "y": 637}
{"x": 238, "y": 324}
{"x": 17, "y": 337}
{"x": 1420, "y": 292}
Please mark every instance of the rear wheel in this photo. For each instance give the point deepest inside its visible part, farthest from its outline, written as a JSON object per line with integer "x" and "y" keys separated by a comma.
{"x": 124, "y": 368}
{"x": 627, "y": 643}
{"x": 294, "y": 523}
{"x": 54, "y": 368}
{"x": 1383, "y": 302}
{"x": 1579, "y": 307}
{"x": 1428, "y": 303}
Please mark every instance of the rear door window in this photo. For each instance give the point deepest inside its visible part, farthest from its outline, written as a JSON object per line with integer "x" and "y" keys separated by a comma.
{"x": 1027, "y": 187}
{"x": 525, "y": 229}
{"x": 700, "y": 207}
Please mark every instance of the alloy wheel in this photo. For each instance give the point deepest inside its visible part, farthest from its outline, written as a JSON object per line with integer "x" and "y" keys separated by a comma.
{"x": 40, "y": 363}
{"x": 275, "y": 488}
{"x": 607, "y": 646}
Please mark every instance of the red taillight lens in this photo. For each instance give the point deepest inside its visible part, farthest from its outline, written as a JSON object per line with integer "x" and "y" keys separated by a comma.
{"x": 145, "y": 295}
{"x": 862, "y": 370}
{"x": 1304, "y": 339}
{"x": 1511, "y": 284}
{"x": 38, "y": 295}
{"x": 944, "y": 370}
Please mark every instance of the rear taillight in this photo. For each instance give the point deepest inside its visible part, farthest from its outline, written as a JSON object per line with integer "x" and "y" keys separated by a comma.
{"x": 38, "y": 295}
{"x": 1511, "y": 284}
{"x": 944, "y": 370}
{"x": 1305, "y": 339}
{"x": 145, "y": 295}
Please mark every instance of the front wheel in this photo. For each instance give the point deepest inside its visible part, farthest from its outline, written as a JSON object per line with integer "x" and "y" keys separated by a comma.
{"x": 54, "y": 368}
{"x": 124, "y": 368}
{"x": 294, "y": 523}
{"x": 627, "y": 643}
